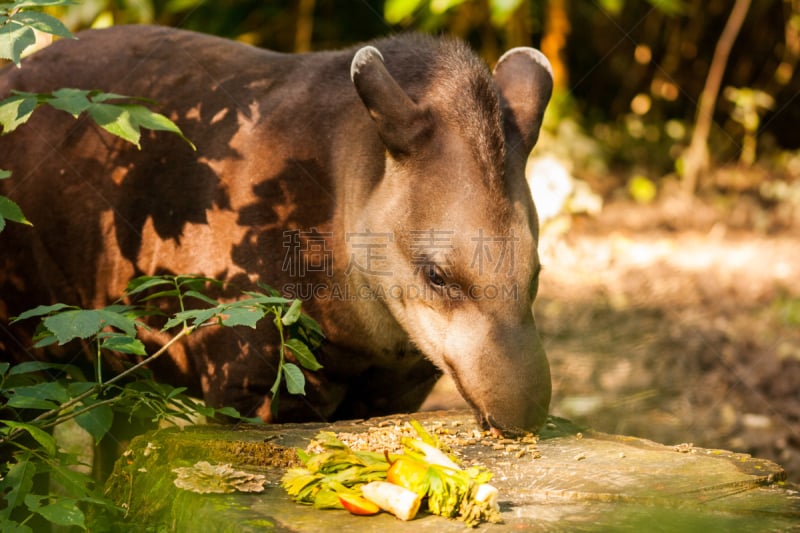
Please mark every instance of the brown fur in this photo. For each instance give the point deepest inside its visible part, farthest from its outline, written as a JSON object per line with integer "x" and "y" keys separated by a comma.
{"x": 286, "y": 143}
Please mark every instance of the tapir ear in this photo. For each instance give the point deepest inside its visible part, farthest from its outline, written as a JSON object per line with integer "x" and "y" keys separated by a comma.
{"x": 524, "y": 78}
{"x": 402, "y": 124}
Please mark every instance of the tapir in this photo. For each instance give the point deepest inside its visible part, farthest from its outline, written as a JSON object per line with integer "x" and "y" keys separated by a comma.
{"x": 384, "y": 185}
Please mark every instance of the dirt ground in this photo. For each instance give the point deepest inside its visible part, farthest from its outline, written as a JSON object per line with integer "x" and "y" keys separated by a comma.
{"x": 676, "y": 322}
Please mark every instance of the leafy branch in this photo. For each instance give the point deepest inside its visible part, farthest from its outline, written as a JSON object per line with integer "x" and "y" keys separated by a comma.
{"x": 115, "y": 328}
{"x": 18, "y": 20}
{"x": 17, "y": 25}
{"x": 62, "y": 393}
{"x": 124, "y": 120}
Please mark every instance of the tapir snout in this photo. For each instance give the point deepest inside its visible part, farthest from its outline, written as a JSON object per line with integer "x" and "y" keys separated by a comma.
{"x": 510, "y": 389}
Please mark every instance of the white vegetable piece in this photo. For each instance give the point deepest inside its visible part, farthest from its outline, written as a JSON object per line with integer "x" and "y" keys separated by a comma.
{"x": 489, "y": 494}
{"x": 399, "y": 501}
{"x": 435, "y": 456}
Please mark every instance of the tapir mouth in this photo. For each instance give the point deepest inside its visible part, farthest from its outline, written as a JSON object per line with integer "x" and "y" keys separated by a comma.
{"x": 483, "y": 417}
{"x": 487, "y": 423}
{"x": 484, "y": 420}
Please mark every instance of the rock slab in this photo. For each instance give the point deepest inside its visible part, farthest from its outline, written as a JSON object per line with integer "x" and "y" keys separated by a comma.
{"x": 573, "y": 479}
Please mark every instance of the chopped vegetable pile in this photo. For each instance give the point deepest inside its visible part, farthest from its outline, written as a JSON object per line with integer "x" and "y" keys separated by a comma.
{"x": 423, "y": 477}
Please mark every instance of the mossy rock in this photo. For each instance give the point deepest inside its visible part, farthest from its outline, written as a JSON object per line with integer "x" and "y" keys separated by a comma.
{"x": 578, "y": 480}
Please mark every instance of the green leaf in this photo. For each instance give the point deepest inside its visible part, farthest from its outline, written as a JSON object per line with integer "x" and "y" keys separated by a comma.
{"x": 16, "y": 109}
{"x": 43, "y": 438}
{"x": 45, "y": 339}
{"x": 295, "y": 380}
{"x": 261, "y": 299}
{"x": 41, "y": 310}
{"x": 48, "y": 390}
{"x": 44, "y": 23}
{"x": 85, "y": 323}
{"x": 239, "y": 316}
{"x": 97, "y": 421}
{"x": 200, "y": 296}
{"x": 194, "y": 317}
{"x": 196, "y": 283}
{"x": 74, "y": 324}
{"x": 76, "y": 388}
{"x": 292, "y": 314}
{"x": 77, "y": 484}
{"x": 99, "y": 96}
{"x": 63, "y": 512}
{"x": 155, "y": 121}
{"x": 124, "y": 344}
{"x": 117, "y": 317}
{"x": 303, "y": 354}
{"x": 267, "y": 289}
{"x": 13, "y": 527}
{"x": 9, "y": 210}
{"x": 169, "y": 293}
{"x": 143, "y": 283}
{"x": 15, "y": 38}
{"x": 72, "y": 101}
{"x": 4, "y": 174}
{"x": 116, "y": 119}
{"x": 276, "y": 385}
{"x": 311, "y": 326}
{"x": 28, "y": 402}
{"x": 28, "y": 367}
{"x": 16, "y": 484}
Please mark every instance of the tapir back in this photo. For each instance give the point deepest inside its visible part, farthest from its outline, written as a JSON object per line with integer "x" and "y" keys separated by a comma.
{"x": 103, "y": 210}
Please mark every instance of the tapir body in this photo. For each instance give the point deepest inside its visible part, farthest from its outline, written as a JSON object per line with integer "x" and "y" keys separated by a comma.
{"x": 383, "y": 185}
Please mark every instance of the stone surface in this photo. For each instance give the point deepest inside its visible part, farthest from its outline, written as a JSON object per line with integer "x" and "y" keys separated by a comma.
{"x": 575, "y": 479}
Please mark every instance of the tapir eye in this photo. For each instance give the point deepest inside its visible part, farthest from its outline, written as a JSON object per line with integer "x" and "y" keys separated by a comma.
{"x": 435, "y": 276}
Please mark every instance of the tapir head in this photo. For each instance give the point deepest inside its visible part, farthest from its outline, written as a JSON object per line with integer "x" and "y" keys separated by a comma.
{"x": 459, "y": 268}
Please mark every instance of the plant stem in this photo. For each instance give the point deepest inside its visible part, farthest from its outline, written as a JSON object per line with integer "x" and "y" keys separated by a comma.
{"x": 276, "y": 385}
{"x": 75, "y": 414}
{"x": 100, "y": 386}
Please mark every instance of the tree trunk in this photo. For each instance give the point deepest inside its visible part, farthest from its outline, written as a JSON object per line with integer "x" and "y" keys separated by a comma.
{"x": 305, "y": 26}
{"x": 554, "y": 41}
{"x": 696, "y": 159}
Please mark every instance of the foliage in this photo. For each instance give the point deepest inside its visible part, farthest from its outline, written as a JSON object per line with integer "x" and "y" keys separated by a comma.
{"x": 404, "y": 11}
{"x": 615, "y": 53}
{"x": 61, "y": 392}
{"x": 56, "y": 393}
{"x": 122, "y": 120}
{"x": 18, "y": 21}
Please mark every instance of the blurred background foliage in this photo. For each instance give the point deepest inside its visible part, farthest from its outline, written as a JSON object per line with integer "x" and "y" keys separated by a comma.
{"x": 629, "y": 77}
